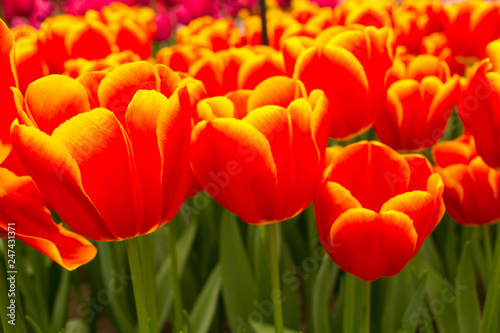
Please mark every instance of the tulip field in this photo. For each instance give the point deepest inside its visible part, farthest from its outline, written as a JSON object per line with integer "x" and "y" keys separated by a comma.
{"x": 253, "y": 166}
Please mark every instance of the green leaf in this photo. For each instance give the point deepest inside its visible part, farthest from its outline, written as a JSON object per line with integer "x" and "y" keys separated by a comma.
{"x": 441, "y": 295}
{"x": 238, "y": 283}
{"x": 322, "y": 291}
{"x": 468, "y": 310}
{"x": 490, "y": 311}
{"x": 60, "y": 307}
{"x": 163, "y": 280}
{"x": 265, "y": 328}
{"x": 357, "y": 305}
{"x": 291, "y": 311}
{"x": 204, "y": 309}
{"x": 4, "y": 300}
{"x": 409, "y": 319}
{"x": 34, "y": 325}
{"x": 396, "y": 293}
{"x": 450, "y": 246}
{"x": 188, "y": 325}
{"x": 109, "y": 269}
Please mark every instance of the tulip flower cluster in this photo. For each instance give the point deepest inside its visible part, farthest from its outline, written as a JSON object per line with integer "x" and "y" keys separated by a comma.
{"x": 360, "y": 125}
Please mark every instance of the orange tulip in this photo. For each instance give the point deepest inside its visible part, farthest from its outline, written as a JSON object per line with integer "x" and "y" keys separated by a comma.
{"x": 47, "y": 105}
{"x": 23, "y": 207}
{"x": 257, "y": 68}
{"x": 51, "y": 41}
{"x": 213, "y": 34}
{"x": 131, "y": 36}
{"x": 258, "y": 170}
{"x": 30, "y": 64}
{"x": 414, "y": 20}
{"x": 437, "y": 44}
{"x": 219, "y": 71}
{"x": 108, "y": 172}
{"x": 144, "y": 17}
{"x": 479, "y": 110}
{"x": 369, "y": 13}
{"x": 9, "y": 79}
{"x": 471, "y": 187}
{"x": 351, "y": 70}
{"x": 377, "y": 208}
{"x": 80, "y": 66}
{"x": 178, "y": 57}
{"x": 292, "y": 49}
{"x": 416, "y": 68}
{"x": 470, "y": 26}
{"x": 302, "y": 30}
{"x": 416, "y": 113}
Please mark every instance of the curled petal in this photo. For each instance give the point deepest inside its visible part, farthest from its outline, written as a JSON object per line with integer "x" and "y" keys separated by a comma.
{"x": 228, "y": 157}
{"x": 371, "y": 245}
{"x": 22, "y": 205}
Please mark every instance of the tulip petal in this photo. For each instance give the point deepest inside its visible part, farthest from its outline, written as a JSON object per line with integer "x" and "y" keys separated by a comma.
{"x": 53, "y": 99}
{"x": 343, "y": 80}
{"x": 233, "y": 162}
{"x": 420, "y": 171}
{"x": 22, "y": 205}
{"x": 120, "y": 85}
{"x": 373, "y": 173}
{"x": 419, "y": 207}
{"x": 58, "y": 177}
{"x": 101, "y": 148}
{"x": 174, "y": 137}
{"x": 447, "y": 153}
{"x": 277, "y": 90}
{"x": 275, "y": 123}
{"x": 141, "y": 118}
{"x": 371, "y": 245}
{"x": 9, "y": 79}
{"x": 215, "y": 107}
{"x": 258, "y": 68}
{"x": 240, "y": 101}
{"x": 91, "y": 82}
{"x": 332, "y": 201}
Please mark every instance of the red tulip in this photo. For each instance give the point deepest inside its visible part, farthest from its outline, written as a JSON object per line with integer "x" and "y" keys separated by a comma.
{"x": 30, "y": 64}
{"x": 414, "y": 20}
{"x": 9, "y": 79}
{"x": 255, "y": 166}
{"x": 479, "y": 110}
{"x": 416, "y": 68}
{"x": 416, "y": 113}
{"x": 24, "y": 210}
{"x": 377, "y": 208}
{"x": 351, "y": 70}
{"x": 471, "y": 187}
{"x": 470, "y": 26}
{"x": 109, "y": 174}
{"x": 219, "y": 71}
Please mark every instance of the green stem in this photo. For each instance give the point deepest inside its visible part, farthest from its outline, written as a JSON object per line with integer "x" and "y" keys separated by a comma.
{"x": 179, "y": 317}
{"x": 138, "y": 284}
{"x": 146, "y": 251}
{"x": 487, "y": 245}
{"x": 357, "y": 305}
{"x": 265, "y": 40}
{"x": 490, "y": 311}
{"x": 272, "y": 240}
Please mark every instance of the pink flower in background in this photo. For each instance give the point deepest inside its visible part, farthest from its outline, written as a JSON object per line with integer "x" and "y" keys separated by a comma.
{"x": 31, "y": 12}
{"x": 79, "y": 7}
{"x": 185, "y": 11}
{"x": 232, "y": 7}
{"x": 326, "y": 3}
{"x": 163, "y": 23}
